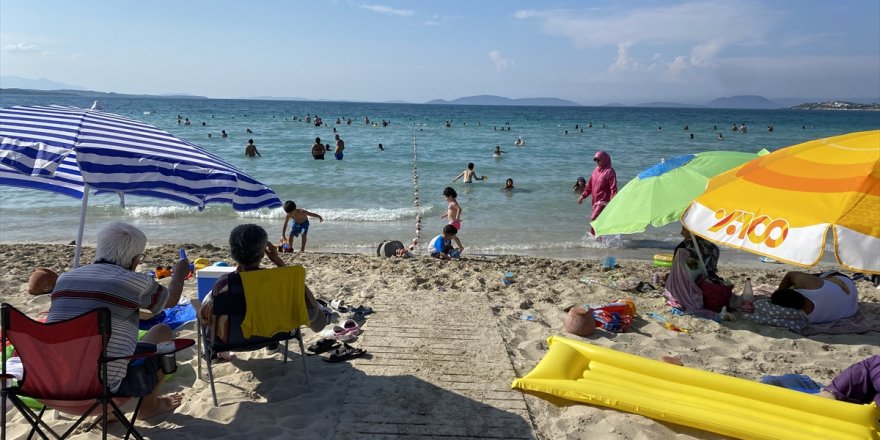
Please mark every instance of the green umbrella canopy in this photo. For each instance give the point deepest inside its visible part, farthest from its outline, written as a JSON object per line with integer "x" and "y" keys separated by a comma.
{"x": 660, "y": 194}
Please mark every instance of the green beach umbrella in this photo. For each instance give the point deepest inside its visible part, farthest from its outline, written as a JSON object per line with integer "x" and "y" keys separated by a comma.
{"x": 660, "y": 194}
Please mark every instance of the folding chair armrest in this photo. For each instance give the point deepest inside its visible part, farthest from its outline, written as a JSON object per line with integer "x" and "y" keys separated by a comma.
{"x": 179, "y": 344}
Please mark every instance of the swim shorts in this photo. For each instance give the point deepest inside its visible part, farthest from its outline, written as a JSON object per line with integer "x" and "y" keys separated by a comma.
{"x": 296, "y": 228}
{"x": 142, "y": 375}
{"x": 456, "y": 223}
{"x": 318, "y": 156}
{"x": 338, "y": 156}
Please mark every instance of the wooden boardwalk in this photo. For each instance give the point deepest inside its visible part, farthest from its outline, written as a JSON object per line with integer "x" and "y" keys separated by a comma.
{"x": 436, "y": 368}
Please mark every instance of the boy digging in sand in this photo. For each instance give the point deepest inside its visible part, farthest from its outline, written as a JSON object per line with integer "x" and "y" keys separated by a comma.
{"x": 300, "y": 224}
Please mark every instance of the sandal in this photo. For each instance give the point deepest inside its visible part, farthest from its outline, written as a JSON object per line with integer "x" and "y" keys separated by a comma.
{"x": 323, "y": 346}
{"x": 345, "y": 353}
{"x": 361, "y": 309}
{"x": 337, "y": 304}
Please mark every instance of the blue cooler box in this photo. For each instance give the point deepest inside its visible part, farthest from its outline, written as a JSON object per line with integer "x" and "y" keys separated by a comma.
{"x": 205, "y": 278}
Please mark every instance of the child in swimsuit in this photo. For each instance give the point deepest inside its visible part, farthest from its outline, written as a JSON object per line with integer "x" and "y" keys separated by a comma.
{"x": 441, "y": 246}
{"x": 300, "y": 224}
{"x": 469, "y": 174}
{"x": 453, "y": 211}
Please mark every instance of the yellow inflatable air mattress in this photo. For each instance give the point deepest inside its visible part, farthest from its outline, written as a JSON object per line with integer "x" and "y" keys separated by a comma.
{"x": 740, "y": 408}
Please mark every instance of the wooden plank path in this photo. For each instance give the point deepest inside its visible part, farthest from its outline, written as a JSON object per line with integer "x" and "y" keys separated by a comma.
{"x": 437, "y": 368}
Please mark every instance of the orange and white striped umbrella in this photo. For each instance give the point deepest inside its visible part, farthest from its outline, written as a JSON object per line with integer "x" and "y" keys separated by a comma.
{"x": 781, "y": 205}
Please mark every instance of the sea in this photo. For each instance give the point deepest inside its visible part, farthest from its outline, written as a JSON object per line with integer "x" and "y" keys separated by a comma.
{"x": 373, "y": 195}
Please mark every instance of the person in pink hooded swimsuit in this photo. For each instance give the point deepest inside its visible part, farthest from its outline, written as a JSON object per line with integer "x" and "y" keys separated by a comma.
{"x": 602, "y": 185}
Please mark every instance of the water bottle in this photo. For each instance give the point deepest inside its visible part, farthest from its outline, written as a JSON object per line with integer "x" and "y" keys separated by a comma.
{"x": 748, "y": 298}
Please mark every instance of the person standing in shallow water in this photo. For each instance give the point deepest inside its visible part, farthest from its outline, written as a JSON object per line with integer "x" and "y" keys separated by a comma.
{"x": 318, "y": 149}
{"x": 251, "y": 150}
{"x": 601, "y": 186}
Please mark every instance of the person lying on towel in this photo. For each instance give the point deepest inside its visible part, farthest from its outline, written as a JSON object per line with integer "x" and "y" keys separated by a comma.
{"x": 247, "y": 245}
{"x": 827, "y": 297}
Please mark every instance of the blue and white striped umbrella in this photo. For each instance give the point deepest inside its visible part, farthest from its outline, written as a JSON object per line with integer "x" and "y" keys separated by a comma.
{"x": 60, "y": 149}
{"x": 70, "y": 150}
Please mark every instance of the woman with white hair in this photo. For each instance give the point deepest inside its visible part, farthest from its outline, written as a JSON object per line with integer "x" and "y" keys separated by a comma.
{"x": 112, "y": 282}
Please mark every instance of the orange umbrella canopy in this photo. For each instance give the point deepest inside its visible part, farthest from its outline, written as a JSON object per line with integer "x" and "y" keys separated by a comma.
{"x": 781, "y": 205}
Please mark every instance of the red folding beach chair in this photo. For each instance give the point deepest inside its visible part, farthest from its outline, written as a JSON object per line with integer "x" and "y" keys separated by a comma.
{"x": 65, "y": 368}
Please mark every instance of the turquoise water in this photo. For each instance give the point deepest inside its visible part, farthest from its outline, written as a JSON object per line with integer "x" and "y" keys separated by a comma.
{"x": 369, "y": 196}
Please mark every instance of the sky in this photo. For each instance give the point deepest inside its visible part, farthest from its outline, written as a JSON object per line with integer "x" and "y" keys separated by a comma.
{"x": 590, "y": 52}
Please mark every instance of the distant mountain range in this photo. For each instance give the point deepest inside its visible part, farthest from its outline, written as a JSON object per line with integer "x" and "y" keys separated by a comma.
{"x": 500, "y": 100}
{"x": 93, "y": 94}
{"x": 23, "y": 86}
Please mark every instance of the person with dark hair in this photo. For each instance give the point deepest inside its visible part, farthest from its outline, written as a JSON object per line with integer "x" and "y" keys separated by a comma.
{"x": 453, "y": 210}
{"x": 318, "y": 149}
{"x": 300, "y": 224}
{"x": 579, "y": 185}
{"x": 251, "y": 150}
{"x": 469, "y": 174}
{"x": 248, "y": 243}
{"x": 827, "y": 297}
{"x": 441, "y": 246}
{"x": 340, "y": 146}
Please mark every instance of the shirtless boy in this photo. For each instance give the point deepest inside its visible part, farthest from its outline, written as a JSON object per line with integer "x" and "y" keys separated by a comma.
{"x": 469, "y": 174}
{"x": 251, "y": 150}
{"x": 300, "y": 224}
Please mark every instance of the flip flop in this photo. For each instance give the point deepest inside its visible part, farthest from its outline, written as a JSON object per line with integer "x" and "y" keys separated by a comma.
{"x": 351, "y": 327}
{"x": 337, "y": 304}
{"x": 347, "y": 333}
{"x": 323, "y": 346}
{"x": 345, "y": 353}
{"x": 361, "y": 309}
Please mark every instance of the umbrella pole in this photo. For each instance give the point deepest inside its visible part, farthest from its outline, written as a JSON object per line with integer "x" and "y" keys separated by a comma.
{"x": 699, "y": 255}
{"x": 82, "y": 225}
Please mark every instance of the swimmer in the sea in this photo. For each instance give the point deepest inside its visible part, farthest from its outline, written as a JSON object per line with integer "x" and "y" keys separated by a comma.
{"x": 498, "y": 151}
{"x": 469, "y": 174}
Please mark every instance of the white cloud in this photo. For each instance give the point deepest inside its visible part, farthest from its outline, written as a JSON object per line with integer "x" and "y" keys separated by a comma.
{"x": 499, "y": 61}
{"x": 21, "y": 48}
{"x": 692, "y": 33}
{"x": 382, "y": 9}
{"x": 431, "y": 23}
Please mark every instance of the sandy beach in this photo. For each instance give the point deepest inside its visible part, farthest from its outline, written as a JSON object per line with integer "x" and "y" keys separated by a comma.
{"x": 445, "y": 341}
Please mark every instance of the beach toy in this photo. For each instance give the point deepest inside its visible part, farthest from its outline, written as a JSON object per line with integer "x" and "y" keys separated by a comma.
{"x": 609, "y": 262}
{"x": 615, "y": 316}
{"x": 182, "y": 253}
{"x": 507, "y": 279}
{"x": 200, "y": 263}
{"x": 663, "y": 260}
{"x": 667, "y": 324}
{"x": 733, "y": 407}
{"x": 220, "y": 264}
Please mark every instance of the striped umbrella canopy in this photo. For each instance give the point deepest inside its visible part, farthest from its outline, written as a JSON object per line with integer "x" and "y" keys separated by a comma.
{"x": 70, "y": 150}
{"x": 782, "y": 205}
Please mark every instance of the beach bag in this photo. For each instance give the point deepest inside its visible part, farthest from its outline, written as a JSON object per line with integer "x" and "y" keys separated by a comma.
{"x": 389, "y": 248}
{"x": 715, "y": 295}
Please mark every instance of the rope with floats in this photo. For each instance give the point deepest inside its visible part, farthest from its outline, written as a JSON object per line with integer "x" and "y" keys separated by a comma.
{"x": 415, "y": 241}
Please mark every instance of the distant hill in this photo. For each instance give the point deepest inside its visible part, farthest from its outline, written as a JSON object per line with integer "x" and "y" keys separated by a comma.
{"x": 92, "y": 94}
{"x": 500, "y": 100}
{"x": 614, "y": 104}
{"x": 743, "y": 101}
{"x": 275, "y": 98}
{"x": 17, "y": 82}
{"x": 669, "y": 104}
{"x": 837, "y": 105}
